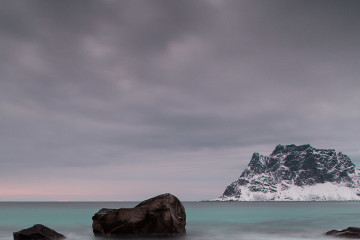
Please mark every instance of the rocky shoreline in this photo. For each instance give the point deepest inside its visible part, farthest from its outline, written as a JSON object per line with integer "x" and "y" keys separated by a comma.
{"x": 160, "y": 215}
{"x": 163, "y": 215}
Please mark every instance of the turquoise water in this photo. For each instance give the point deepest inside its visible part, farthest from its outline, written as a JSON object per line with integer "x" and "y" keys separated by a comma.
{"x": 205, "y": 220}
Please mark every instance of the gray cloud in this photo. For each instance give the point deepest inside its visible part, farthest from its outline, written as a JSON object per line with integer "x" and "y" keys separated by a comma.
{"x": 109, "y": 83}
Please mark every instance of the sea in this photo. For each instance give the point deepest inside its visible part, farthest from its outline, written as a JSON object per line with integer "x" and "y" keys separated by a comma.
{"x": 205, "y": 220}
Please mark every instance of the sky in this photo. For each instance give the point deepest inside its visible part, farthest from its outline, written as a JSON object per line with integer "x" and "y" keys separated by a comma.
{"x": 104, "y": 100}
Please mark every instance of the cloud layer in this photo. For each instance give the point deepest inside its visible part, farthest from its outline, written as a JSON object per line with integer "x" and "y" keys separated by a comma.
{"x": 110, "y": 100}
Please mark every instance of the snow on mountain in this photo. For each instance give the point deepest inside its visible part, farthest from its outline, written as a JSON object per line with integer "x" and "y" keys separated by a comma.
{"x": 296, "y": 173}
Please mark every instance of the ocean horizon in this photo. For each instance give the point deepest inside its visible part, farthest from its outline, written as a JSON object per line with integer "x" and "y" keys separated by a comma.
{"x": 206, "y": 220}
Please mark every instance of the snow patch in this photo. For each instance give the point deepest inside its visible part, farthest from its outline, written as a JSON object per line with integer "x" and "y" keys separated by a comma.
{"x": 319, "y": 192}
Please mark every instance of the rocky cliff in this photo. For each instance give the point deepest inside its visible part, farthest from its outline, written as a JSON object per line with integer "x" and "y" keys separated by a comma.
{"x": 300, "y": 173}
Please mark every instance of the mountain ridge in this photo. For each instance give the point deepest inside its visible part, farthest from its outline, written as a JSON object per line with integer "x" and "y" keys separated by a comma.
{"x": 300, "y": 173}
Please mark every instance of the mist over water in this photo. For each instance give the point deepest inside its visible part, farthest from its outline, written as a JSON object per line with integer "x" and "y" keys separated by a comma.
{"x": 205, "y": 220}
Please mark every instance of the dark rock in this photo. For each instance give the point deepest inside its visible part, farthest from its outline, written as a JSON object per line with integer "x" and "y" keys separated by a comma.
{"x": 350, "y": 232}
{"x": 163, "y": 214}
{"x": 230, "y": 190}
{"x": 38, "y": 232}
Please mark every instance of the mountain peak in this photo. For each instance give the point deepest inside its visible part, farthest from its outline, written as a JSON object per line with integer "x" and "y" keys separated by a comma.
{"x": 292, "y": 170}
{"x": 290, "y": 148}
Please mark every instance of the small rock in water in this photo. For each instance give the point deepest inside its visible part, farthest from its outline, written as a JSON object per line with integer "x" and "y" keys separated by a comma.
{"x": 38, "y": 232}
{"x": 163, "y": 214}
{"x": 350, "y": 232}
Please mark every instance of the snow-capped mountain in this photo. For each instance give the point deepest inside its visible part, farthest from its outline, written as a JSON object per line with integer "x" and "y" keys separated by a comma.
{"x": 299, "y": 173}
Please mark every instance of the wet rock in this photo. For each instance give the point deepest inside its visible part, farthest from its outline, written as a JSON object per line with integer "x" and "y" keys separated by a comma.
{"x": 163, "y": 214}
{"x": 350, "y": 232}
{"x": 38, "y": 232}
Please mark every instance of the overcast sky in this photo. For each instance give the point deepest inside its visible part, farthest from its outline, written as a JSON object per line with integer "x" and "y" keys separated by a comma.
{"x": 124, "y": 100}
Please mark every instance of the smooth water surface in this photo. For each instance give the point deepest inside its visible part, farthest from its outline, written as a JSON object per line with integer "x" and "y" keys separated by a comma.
{"x": 205, "y": 220}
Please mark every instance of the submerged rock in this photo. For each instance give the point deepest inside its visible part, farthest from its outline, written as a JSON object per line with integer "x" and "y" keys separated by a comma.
{"x": 38, "y": 232}
{"x": 350, "y": 232}
{"x": 163, "y": 214}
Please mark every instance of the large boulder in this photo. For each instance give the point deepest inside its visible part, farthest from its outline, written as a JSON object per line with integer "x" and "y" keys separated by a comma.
{"x": 38, "y": 232}
{"x": 350, "y": 232}
{"x": 163, "y": 214}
